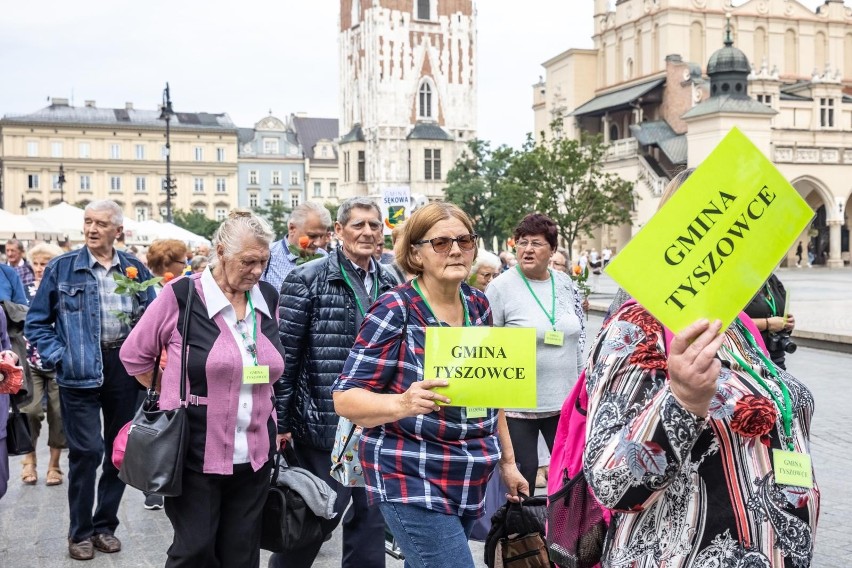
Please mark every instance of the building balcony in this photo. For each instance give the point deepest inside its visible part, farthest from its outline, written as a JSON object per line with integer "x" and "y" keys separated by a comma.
{"x": 785, "y": 154}
{"x": 622, "y": 149}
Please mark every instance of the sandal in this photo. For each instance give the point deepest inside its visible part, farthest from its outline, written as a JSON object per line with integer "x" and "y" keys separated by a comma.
{"x": 29, "y": 475}
{"x": 54, "y": 476}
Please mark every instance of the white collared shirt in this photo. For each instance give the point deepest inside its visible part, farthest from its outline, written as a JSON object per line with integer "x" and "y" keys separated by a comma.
{"x": 216, "y": 303}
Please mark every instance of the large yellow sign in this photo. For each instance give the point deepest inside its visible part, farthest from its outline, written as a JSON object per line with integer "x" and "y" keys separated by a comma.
{"x": 711, "y": 247}
{"x": 492, "y": 367}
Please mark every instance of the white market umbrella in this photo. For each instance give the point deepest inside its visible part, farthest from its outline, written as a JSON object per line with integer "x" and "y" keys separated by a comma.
{"x": 16, "y": 226}
{"x": 62, "y": 218}
{"x": 148, "y": 231}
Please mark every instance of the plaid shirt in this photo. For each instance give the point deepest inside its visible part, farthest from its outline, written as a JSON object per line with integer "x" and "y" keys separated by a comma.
{"x": 281, "y": 262}
{"x": 111, "y": 327}
{"x": 441, "y": 460}
{"x": 25, "y": 271}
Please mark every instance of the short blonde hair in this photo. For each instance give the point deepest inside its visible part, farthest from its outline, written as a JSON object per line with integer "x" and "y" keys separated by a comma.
{"x": 418, "y": 225}
{"x": 49, "y": 250}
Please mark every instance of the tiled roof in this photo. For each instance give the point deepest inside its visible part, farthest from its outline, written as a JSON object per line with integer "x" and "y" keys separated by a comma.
{"x": 429, "y": 131}
{"x": 354, "y": 135}
{"x": 58, "y": 113}
{"x": 311, "y": 130}
{"x": 675, "y": 149}
{"x": 648, "y": 133}
{"x": 727, "y": 103}
{"x": 616, "y": 99}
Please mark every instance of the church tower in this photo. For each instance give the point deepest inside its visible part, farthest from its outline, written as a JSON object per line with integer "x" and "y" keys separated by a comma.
{"x": 408, "y": 91}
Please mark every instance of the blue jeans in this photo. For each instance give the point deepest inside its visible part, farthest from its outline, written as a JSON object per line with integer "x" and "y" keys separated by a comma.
{"x": 81, "y": 415}
{"x": 429, "y": 539}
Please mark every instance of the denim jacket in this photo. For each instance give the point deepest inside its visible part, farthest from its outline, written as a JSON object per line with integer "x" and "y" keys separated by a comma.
{"x": 64, "y": 319}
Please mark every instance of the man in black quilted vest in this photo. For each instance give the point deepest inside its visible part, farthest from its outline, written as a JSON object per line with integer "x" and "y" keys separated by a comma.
{"x": 322, "y": 305}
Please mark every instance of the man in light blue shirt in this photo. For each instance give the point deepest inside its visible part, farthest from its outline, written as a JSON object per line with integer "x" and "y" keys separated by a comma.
{"x": 311, "y": 220}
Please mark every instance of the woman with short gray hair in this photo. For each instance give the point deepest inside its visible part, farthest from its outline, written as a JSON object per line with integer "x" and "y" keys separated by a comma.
{"x": 235, "y": 363}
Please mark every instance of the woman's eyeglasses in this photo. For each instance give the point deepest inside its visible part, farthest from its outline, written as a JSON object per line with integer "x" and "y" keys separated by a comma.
{"x": 442, "y": 245}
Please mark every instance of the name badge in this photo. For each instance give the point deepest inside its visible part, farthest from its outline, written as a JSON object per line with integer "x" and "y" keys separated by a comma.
{"x": 554, "y": 338}
{"x": 793, "y": 468}
{"x": 477, "y": 412}
{"x": 256, "y": 375}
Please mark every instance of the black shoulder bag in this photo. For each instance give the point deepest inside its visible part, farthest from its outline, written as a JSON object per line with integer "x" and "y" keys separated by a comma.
{"x": 158, "y": 439}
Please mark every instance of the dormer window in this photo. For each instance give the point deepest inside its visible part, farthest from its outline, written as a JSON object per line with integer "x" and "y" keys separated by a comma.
{"x": 424, "y": 107}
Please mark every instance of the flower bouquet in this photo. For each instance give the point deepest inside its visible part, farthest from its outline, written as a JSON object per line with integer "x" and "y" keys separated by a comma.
{"x": 128, "y": 284}
{"x": 301, "y": 251}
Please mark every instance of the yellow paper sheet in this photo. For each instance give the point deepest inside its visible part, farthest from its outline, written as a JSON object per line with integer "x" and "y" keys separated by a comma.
{"x": 486, "y": 366}
{"x": 711, "y": 247}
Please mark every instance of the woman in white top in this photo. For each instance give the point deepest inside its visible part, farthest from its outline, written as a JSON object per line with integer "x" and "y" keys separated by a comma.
{"x": 533, "y": 295}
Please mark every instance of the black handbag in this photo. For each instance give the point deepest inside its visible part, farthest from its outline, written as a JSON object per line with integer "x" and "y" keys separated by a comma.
{"x": 516, "y": 537}
{"x": 19, "y": 440}
{"x": 16, "y": 314}
{"x": 158, "y": 439}
{"x": 287, "y": 522}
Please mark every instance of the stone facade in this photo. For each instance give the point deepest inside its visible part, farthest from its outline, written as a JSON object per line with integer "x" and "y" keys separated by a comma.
{"x": 408, "y": 93}
{"x": 118, "y": 154}
{"x": 649, "y": 59}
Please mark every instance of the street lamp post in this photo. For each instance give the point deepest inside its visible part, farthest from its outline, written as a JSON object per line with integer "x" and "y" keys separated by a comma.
{"x": 23, "y": 206}
{"x": 168, "y": 183}
{"x": 61, "y": 182}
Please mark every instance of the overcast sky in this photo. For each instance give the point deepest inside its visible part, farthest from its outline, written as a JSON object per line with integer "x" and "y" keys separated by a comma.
{"x": 249, "y": 56}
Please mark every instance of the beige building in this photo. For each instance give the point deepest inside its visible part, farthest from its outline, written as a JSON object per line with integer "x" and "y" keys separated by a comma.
{"x": 118, "y": 154}
{"x": 644, "y": 88}
{"x": 408, "y": 93}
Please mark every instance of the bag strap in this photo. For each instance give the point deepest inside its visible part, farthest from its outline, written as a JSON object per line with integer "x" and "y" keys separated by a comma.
{"x": 184, "y": 348}
{"x": 349, "y": 436}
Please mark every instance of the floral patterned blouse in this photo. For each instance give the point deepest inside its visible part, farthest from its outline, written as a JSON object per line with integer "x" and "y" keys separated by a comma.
{"x": 687, "y": 491}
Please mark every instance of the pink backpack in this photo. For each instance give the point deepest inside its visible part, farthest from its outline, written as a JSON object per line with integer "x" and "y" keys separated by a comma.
{"x": 566, "y": 462}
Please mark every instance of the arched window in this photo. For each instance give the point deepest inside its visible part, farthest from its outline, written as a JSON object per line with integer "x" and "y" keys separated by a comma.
{"x": 847, "y": 56}
{"x": 696, "y": 44}
{"x": 424, "y": 106}
{"x": 638, "y": 53}
{"x": 613, "y": 132}
{"x": 819, "y": 51}
{"x": 759, "y": 47}
{"x": 791, "y": 56}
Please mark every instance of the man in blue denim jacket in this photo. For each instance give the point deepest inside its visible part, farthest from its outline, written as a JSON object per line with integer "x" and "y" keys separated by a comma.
{"x": 73, "y": 323}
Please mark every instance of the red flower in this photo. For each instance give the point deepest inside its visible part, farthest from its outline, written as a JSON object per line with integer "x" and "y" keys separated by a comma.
{"x": 168, "y": 277}
{"x": 304, "y": 241}
{"x": 131, "y": 272}
{"x": 754, "y": 416}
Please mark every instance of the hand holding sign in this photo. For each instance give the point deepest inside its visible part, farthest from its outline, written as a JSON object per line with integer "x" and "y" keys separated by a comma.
{"x": 421, "y": 399}
{"x": 693, "y": 366}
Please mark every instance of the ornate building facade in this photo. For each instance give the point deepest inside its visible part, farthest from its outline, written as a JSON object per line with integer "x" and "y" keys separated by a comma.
{"x": 408, "y": 93}
{"x": 118, "y": 154}
{"x": 642, "y": 84}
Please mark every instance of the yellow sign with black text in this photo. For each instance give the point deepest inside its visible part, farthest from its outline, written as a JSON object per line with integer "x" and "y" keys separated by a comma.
{"x": 716, "y": 241}
{"x": 492, "y": 367}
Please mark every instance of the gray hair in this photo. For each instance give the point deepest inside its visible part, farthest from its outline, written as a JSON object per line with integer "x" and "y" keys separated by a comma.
{"x": 241, "y": 223}
{"x": 117, "y": 215}
{"x": 15, "y": 243}
{"x": 49, "y": 250}
{"x": 197, "y": 261}
{"x": 300, "y": 214}
{"x": 344, "y": 212}
{"x": 485, "y": 258}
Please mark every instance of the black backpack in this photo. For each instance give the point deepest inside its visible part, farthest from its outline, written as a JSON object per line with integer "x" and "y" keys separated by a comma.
{"x": 518, "y": 519}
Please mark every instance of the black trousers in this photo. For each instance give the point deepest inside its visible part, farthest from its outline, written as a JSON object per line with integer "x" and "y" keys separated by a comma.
{"x": 87, "y": 449}
{"x": 217, "y": 518}
{"x": 524, "y": 434}
{"x": 363, "y": 525}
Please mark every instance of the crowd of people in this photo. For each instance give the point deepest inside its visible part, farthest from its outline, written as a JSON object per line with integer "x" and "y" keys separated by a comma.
{"x": 330, "y": 324}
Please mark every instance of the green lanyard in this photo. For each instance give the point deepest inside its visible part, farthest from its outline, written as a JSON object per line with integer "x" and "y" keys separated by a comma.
{"x": 253, "y": 350}
{"x": 431, "y": 311}
{"x": 550, "y": 316}
{"x": 374, "y": 295}
{"x": 770, "y": 300}
{"x": 785, "y": 405}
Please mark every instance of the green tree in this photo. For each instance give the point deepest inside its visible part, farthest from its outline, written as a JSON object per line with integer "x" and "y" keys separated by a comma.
{"x": 478, "y": 184}
{"x": 565, "y": 178}
{"x": 195, "y": 222}
{"x": 277, "y": 214}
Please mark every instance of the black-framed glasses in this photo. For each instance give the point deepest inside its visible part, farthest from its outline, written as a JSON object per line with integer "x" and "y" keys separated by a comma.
{"x": 442, "y": 245}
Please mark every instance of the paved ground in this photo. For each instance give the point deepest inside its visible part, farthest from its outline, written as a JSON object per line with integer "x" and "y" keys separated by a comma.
{"x": 34, "y": 520}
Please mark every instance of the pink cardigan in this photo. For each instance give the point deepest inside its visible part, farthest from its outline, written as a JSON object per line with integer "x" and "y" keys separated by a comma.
{"x": 159, "y": 328}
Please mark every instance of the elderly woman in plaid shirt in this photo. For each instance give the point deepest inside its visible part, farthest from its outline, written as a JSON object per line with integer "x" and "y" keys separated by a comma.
{"x": 426, "y": 465}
